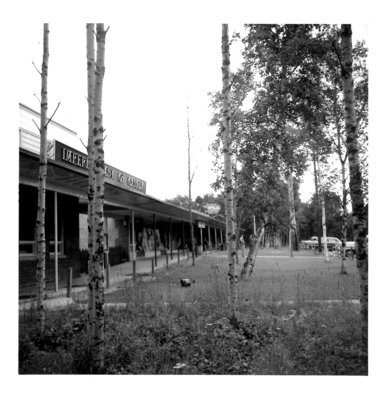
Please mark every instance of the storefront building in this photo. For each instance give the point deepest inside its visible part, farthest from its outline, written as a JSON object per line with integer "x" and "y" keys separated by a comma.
{"x": 137, "y": 225}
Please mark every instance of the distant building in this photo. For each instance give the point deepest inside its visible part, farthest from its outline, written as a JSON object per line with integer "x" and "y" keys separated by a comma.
{"x": 136, "y": 225}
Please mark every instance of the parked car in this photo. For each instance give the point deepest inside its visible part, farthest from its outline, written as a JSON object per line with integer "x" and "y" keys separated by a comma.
{"x": 333, "y": 243}
{"x": 350, "y": 249}
{"x": 310, "y": 244}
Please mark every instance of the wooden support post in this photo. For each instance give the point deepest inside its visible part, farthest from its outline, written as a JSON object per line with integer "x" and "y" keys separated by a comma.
{"x": 107, "y": 268}
{"x": 170, "y": 238}
{"x": 201, "y": 241}
{"x": 215, "y": 234}
{"x": 152, "y": 266}
{"x": 133, "y": 238}
{"x": 129, "y": 242}
{"x": 210, "y": 246}
{"x": 55, "y": 243}
{"x": 155, "y": 239}
{"x": 182, "y": 236}
{"x": 69, "y": 285}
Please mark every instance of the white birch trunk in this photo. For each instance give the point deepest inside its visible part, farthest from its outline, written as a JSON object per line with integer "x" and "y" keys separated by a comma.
{"x": 190, "y": 177}
{"x": 355, "y": 181}
{"x": 254, "y": 245}
{"x": 91, "y": 175}
{"x": 326, "y": 253}
{"x": 293, "y": 223}
{"x": 41, "y": 209}
{"x": 342, "y": 159}
{"x": 343, "y": 270}
{"x": 97, "y": 281}
{"x": 322, "y": 200}
{"x": 228, "y": 184}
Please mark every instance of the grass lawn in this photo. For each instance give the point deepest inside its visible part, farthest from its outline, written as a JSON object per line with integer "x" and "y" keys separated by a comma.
{"x": 163, "y": 328}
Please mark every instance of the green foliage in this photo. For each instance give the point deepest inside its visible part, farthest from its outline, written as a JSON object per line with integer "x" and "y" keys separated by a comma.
{"x": 307, "y": 217}
{"x": 200, "y": 202}
{"x": 291, "y": 75}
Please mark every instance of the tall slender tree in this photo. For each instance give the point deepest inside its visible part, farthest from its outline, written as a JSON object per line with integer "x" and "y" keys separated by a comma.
{"x": 190, "y": 179}
{"x": 293, "y": 239}
{"x": 228, "y": 184}
{"x": 41, "y": 209}
{"x": 96, "y": 283}
{"x": 91, "y": 64}
{"x": 336, "y": 126}
{"x": 323, "y": 212}
{"x": 355, "y": 180}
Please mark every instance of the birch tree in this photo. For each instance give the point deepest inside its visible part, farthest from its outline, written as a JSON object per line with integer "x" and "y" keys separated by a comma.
{"x": 342, "y": 155}
{"x": 254, "y": 245}
{"x": 355, "y": 180}
{"x": 323, "y": 212}
{"x": 42, "y": 174}
{"x": 228, "y": 185}
{"x": 190, "y": 179}
{"x": 333, "y": 92}
{"x": 96, "y": 281}
{"x": 91, "y": 63}
{"x": 293, "y": 223}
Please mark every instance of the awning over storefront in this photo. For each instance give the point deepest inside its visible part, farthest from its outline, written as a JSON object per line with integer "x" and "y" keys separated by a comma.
{"x": 119, "y": 201}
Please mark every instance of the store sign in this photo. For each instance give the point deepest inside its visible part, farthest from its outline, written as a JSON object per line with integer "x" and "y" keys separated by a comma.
{"x": 212, "y": 208}
{"x": 201, "y": 225}
{"x": 66, "y": 154}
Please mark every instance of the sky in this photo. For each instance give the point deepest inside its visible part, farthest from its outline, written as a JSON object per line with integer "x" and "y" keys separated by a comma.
{"x": 153, "y": 72}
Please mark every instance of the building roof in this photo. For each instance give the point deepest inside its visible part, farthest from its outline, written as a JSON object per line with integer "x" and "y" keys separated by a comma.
{"x": 119, "y": 201}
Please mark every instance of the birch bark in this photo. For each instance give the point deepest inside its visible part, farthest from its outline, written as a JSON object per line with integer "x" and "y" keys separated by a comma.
{"x": 254, "y": 245}
{"x": 323, "y": 214}
{"x": 91, "y": 161}
{"x": 343, "y": 159}
{"x": 228, "y": 184}
{"x": 355, "y": 181}
{"x": 97, "y": 280}
{"x": 293, "y": 222}
{"x": 190, "y": 178}
{"x": 42, "y": 174}
{"x": 318, "y": 211}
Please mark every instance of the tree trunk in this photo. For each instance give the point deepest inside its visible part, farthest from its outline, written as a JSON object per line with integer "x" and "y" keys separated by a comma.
{"x": 325, "y": 244}
{"x": 239, "y": 245}
{"x": 190, "y": 178}
{"x": 97, "y": 281}
{"x": 293, "y": 223}
{"x": 254, "y": 245}
{"x": 355, "y": 181}
{"x": 343, "y": 270}
{"x": 228, "y": 185}
{"x": 342, "y": 159}
{"x": 322, "y": 199}
{"x": 318, "y": 203}
{"x": 41, "y": 209}
{"x": 91, "y": 175}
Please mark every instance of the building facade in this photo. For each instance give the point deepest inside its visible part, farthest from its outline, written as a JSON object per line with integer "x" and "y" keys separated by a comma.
{"x": 137, "y": 225}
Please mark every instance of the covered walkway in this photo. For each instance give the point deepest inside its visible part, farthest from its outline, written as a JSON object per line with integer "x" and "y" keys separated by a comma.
{"x": 117, "y": 273}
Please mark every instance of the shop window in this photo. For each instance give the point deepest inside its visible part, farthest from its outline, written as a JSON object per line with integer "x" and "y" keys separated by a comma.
{"x": 27, "y": 222}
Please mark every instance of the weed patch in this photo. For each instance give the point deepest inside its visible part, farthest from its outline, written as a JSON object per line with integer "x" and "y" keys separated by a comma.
{"x": 165, "y": 328}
